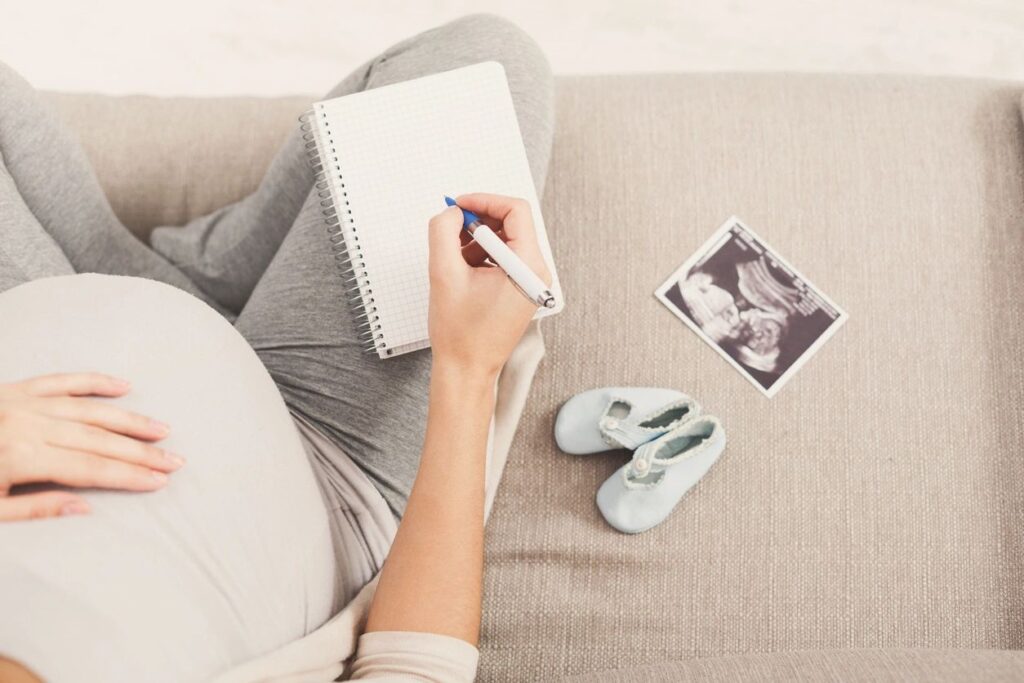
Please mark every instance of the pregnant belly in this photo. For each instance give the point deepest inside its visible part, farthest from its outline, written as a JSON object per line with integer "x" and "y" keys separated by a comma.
{"x": 231, "y": 560}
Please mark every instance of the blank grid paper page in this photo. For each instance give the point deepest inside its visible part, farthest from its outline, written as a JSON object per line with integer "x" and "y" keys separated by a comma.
{"x": 399, "y": 150}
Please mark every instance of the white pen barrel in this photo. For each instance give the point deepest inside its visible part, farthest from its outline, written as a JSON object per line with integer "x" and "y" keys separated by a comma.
{"x": 510, "y": 262}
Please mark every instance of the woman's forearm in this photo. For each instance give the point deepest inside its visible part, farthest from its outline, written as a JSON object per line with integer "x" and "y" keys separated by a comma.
{"x": 432, "y": 579}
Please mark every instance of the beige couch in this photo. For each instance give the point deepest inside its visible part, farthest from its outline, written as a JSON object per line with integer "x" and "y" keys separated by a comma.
{"x": 865, "y": 524}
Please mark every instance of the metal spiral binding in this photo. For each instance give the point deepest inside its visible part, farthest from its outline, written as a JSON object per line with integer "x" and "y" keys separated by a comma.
{"x": 342, "y": 233}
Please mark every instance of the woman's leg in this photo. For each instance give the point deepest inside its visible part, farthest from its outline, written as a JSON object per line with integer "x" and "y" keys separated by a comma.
{"x": 226, "y": 252}
{"x": 297, "y": 318}
{"x": 48, "y": 177}
{"x": 27, "y": 252}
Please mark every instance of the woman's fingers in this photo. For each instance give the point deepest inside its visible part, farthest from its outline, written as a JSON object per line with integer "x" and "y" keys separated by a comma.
{"x": 86, "y": 470}
{"x": 49, "y": 434}
{"x": 474, "y": 253}
{"x": 75, "y": 384}
{"x": 445, "y": 247}
{"x": 493, "y": 224}
{"x": 497, "y": 206}
{"x": 516, "y": 222}
{"x": 514, "y": 213}
{"x": 97, "y": 440}
{"x": 105, "y": 415}
{"x": 41, "y": 505}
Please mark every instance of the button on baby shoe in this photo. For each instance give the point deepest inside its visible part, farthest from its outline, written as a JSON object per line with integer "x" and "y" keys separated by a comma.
{"x": 611, "y": 423}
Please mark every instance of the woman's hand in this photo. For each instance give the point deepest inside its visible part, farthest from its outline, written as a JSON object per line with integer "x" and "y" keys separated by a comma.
{"x": 50, "y": 433}
{"x": 476, "y": 314}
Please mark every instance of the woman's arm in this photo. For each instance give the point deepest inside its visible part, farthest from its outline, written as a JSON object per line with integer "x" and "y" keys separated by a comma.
{"x": 431, "y": 581}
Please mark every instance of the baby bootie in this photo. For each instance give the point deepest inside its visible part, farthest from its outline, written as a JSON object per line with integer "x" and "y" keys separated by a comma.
{"x": 619, "y": 417}
{"x": 643, "y": 492}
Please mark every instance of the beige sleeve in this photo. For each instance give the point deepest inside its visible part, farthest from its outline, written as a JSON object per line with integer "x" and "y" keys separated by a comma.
{"x": 409, "y": 656}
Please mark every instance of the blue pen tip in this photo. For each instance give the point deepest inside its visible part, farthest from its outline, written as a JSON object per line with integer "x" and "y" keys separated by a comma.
{"x": 468, "y": 217}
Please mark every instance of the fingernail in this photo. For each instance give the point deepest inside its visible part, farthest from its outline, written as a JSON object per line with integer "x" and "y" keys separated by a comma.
{"x": 175, "y": 459}
{"x": 122, "y": 383}
{"x": 158, "y": 476}
{"x": 160, "y": 427}
{"x": 74, "y": 507}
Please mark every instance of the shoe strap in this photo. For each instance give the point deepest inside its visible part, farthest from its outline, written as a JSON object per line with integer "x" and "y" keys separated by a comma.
{"x": 643, "y": 461}
{"x": 645, "y": 458}
{"x": 626, "y": 432}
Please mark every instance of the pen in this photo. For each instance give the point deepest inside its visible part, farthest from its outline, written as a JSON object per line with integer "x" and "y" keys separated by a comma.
{"x": 525, "y": 280}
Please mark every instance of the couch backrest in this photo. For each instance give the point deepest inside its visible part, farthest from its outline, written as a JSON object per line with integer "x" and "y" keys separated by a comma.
{"x": 162, "y": 161}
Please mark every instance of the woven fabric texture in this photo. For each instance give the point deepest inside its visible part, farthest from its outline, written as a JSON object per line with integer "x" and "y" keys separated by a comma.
{"x": 875, "y": 502}
{"x": 833, "y": 666}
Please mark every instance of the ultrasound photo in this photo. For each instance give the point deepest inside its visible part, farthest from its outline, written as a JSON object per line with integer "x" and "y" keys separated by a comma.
{"x": 751, "y": 306}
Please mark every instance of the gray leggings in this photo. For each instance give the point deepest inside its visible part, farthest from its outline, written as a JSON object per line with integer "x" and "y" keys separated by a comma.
{"x": 263, "y": 262}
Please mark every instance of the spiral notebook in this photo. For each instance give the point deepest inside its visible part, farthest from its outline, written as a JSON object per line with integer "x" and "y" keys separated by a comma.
{"x": 384, "y": 160}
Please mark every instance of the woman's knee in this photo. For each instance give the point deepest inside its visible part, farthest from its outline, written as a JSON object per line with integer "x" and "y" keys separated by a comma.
{"x": 468, "y": 40}
{"x": 14, "y": 87}
{"x": 498, "y": 39}
{"x": 505, "y": 41}
{"x": 9, "y": 77}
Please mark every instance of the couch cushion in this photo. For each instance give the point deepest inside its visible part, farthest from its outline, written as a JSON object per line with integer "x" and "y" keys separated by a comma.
{"x": 162, "y": 161}
{"x": 814, "y": 666}
{"x": 876, "y": 501}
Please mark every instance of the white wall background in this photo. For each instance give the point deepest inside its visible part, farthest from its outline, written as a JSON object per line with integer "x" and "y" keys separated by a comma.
{"x": 269, "y": 47}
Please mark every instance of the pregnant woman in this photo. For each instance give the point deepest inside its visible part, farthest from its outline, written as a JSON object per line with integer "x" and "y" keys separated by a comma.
{"x": 199, "y": 463}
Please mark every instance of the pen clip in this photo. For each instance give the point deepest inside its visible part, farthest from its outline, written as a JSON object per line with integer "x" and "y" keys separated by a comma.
{"x": 521, "y": 290}
{"x": 547, "y": 300}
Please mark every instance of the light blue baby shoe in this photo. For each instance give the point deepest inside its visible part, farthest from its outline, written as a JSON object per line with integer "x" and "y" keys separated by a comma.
{"x": 642, "y": 493}
{"x": 619, "y": 417}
